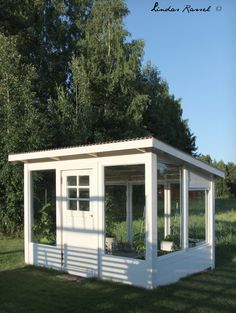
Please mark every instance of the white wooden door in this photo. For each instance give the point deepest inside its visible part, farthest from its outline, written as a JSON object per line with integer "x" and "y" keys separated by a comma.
{"x": 79, "y": 222}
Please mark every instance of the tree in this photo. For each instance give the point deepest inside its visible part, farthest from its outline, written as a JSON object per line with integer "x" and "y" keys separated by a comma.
{"x": 62, "y": 119}
{"x": 230, "y": 177}
{"x": 105, "y": 76}
{"x": 113, "y": 97}
{"x": 19, "y": 128}
{"x": 81, "y": 48}
{"x": 47, "y": 32}
{"x": 163, "y": 117}
{"x": 71, "y": 75}
{"x": 225, "y": 188}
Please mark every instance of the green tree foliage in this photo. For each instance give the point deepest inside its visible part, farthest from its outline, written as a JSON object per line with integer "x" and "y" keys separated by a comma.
{"x": 62, "y": 120}
{"x": 163, "y": 117}
{"x": 81, "y": 49}
{"x": 47, "y": 32}
{"x": 19, "y": 128}
{"x": 113, "y": 96}
{"x": 105, "y": 77}
{"x": 225, "y": 188}
{"x": 71, "y": 74}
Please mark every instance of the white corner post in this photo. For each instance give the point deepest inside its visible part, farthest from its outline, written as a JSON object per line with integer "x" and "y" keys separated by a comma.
{"x": 167, "y": 209}
{"x": 27, "y": 212}
{"x": 185, "y": 182}
{"x": 59, "y": 195}
{"x": 101, "y": 215}
{"x": 211, "y": 224}
{"x": 151, "y": 216}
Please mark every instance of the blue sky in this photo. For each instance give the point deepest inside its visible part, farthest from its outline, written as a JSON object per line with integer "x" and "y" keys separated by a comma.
{"x": 196, "y": 54}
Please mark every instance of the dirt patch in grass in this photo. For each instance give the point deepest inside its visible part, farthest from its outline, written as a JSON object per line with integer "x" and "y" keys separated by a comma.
{"x": 76, "y": 279}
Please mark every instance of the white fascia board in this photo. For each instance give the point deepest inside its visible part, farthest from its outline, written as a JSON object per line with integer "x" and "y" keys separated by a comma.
{"x": 90, "y": 150}
{"x": 161, "y": 146}
{"x": 138, "y": 144}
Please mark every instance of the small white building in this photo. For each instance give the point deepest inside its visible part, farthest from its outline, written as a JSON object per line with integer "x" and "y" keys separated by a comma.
{"x": 138, "y": 211}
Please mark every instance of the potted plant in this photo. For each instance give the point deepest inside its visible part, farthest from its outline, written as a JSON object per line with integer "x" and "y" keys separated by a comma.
{"x": 139, "y": 244}
{"x": 44, "y": 228}
{"x": 167, "y": 244}
{"x": 171, "y": 241}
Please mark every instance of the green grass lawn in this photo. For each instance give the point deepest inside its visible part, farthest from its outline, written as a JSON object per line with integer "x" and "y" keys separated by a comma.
{"x": 30, "y": 289}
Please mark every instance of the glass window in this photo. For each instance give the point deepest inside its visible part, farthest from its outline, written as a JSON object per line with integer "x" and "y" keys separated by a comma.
{"x": 72, "y": 205}
{"x": 78, "y": 193}
{"x": 168, "y": 208}
{"x": 44, "y": 206}
{"x": 84, "y": 180}
{"x": 125, "y": 211}
{"x": 83, "y": 205}
{"x": 72, "y": 193}
{"x": 197, "y": 217}
{"x": 71, "y": 180}
{"x": 84, "y": 193}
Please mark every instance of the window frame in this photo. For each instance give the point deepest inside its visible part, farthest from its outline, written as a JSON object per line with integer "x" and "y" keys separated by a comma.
{"x": 206, "y": 201}
{"x": 78, "y": 187}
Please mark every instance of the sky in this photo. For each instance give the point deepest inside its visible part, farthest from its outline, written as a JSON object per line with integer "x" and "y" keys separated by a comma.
{"x": 196, "y": 54}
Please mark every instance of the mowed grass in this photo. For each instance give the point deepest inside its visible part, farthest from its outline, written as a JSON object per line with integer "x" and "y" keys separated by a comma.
{"x": 11, "y": 253}
{"x": 30, "y": 289}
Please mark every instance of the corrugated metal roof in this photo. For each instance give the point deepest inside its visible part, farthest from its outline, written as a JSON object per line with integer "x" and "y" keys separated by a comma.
{"x": 87, "y": 145}
{"x": 93, "y": 149}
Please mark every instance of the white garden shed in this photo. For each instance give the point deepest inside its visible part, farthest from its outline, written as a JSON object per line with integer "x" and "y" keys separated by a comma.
{"x": 137, "y": 211}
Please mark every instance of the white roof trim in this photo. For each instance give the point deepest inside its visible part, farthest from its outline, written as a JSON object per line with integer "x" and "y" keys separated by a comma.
{"x": 94, "y": 150}
{"x": 161, "y": 146}
{"x": 89, "y": 150}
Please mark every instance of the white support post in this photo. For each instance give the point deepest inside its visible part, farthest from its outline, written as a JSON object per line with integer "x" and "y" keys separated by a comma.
{"x": 129, "y": 210}
{"x": 151, "y": 216}
{"x": 59, "y": 202}
{"x": 185, "y": 182}
{"x": 27, "y": 212}
{"x": 167, "y": 210}
{"x": 207, "y": 217}
{"x": 211, "y": 225}
{"x": 101, "y": 215}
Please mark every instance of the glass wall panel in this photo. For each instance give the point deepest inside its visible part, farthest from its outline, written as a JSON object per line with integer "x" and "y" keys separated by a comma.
{"x": 138, "y": 220}
{"x": 169, "y": 208}
{"x": 44, "y": 206}
{"x": 197, "y": 217}
{"x": 125, "y": 210}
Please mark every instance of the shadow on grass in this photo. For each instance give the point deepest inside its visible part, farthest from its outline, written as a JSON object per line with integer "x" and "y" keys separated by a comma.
{"x": 36, "y": 290}
{"x": 12, "y": 252}
{"x": 32, "y": 289}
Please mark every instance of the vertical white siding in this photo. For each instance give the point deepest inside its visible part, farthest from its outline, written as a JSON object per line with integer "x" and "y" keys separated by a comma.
{"x": 151, "y": 214}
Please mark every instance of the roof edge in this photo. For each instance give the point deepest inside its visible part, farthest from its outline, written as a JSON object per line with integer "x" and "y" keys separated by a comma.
{"x": 175, "y": 152}
{"x": 135, "y": 143}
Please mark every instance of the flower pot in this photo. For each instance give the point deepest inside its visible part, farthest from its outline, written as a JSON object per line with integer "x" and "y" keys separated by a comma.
{"x": 167, "y": 245}
{"x": 110, "y": 244}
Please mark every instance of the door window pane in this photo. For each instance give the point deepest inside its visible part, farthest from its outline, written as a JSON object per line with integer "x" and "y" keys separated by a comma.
{"x": 83, "y": 180}
{"x": 71, "y": 180}
{"x": 84, "y": 193}
{"x": 72, "y": 205}
{"x": 72, "y": 192}
{"x": 83, "y": 205}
